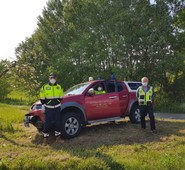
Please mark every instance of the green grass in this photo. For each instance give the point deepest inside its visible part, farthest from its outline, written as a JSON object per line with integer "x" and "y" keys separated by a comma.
{"x": 18, "y": 95}
{"x": 10, "y": 115}
{"x": 103, "y": 147}
{"x": 18, "y": 98}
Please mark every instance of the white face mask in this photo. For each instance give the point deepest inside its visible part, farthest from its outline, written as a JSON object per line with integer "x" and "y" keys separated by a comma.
{"x": 144, "y": 84}
{"x": 52, "y": 81}
{"x": 99, "y": 88}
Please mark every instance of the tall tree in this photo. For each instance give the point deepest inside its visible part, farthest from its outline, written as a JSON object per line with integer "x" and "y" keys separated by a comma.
{"x": 82, "y": 38}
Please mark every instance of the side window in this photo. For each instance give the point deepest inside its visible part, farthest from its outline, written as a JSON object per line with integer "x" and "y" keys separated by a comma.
{"x": 96, "y": 87}
{"x": 111, "y": 87}
{"x": 99, "y": 88}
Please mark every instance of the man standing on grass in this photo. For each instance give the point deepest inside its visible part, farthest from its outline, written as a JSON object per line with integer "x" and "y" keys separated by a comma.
{"x": 145, "y": 95}
{"x": 50, "y": 96}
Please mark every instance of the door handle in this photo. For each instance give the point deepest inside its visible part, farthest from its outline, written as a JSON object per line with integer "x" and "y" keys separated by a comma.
{"x": 124, "y": 96}
{"x": 113, "y": 97}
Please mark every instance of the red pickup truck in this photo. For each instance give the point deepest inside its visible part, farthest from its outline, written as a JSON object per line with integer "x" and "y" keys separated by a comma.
{"x": 82, "y": 105}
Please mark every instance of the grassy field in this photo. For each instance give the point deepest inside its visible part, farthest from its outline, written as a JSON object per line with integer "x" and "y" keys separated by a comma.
{"x": 17, "y": 97}
{"x": 104, "y": 147}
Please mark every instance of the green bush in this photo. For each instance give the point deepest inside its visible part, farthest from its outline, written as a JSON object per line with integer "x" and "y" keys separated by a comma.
{"x": 4, "y": 88}
{"x": 14, "y": 101}
{"x": 165, "y": 104}
{"x": 3, "y": 166}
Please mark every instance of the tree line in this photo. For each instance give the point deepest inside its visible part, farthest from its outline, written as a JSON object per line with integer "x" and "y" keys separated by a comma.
{"x": 81, "y": 38}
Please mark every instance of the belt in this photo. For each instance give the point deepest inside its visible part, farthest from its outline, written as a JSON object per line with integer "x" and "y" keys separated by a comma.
{"x": 52, "y": 107}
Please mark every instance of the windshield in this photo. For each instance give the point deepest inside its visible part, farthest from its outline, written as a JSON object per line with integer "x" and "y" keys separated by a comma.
{"x": 77, "y": 89}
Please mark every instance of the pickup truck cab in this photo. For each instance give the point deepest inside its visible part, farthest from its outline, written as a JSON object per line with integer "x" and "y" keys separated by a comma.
{"x": 81, "y": 105}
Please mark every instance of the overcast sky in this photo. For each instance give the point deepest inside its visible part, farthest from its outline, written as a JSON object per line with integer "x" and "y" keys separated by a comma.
{"x": 18, "y": 20}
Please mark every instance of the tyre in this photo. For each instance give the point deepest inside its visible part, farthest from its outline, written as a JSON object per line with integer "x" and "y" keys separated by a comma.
{"x": 134, "y": 115}
{"x": 71, "y": 125}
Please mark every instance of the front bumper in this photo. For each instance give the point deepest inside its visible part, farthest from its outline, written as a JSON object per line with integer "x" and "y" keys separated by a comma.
{"x": 27, "y": 120}
{"x": 34, "y": 120}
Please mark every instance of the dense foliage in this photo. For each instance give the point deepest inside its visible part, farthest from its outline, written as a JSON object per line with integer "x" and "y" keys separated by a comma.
{"x": 82, "y": 38}
{"x": 5, "y": 83}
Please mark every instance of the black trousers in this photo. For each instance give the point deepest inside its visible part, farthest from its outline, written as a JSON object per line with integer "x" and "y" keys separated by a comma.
{"x": 144, "y": 110}
{"x": 52, "y": 116}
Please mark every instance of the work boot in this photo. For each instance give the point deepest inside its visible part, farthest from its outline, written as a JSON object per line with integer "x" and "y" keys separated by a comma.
{"x": 45, "y": 142}
{"x": 59, "y": 140}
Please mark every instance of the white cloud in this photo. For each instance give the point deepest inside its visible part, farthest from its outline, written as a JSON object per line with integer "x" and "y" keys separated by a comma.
{"x": 18, "y": 20}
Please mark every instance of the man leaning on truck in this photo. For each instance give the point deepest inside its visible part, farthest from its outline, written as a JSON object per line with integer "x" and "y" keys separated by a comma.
{"x": 145, "y": 95}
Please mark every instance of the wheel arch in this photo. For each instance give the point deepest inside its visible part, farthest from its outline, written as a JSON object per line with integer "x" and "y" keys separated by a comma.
{"x": 74, "y": 107}
{"x": 131, "y": 105}
{"x": 134, "y": 113}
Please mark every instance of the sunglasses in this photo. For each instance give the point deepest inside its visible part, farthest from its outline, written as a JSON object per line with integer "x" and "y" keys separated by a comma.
{"x": 52, "y": 77}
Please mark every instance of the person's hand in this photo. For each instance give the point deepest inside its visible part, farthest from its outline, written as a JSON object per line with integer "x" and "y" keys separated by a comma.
{"x": 149, "y": 104}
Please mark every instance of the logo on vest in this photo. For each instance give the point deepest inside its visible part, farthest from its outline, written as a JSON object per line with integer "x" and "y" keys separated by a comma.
{"x": 48, "y": 88}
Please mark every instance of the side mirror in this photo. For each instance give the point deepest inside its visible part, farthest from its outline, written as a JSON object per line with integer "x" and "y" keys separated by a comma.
{"x": 91, "y": 92}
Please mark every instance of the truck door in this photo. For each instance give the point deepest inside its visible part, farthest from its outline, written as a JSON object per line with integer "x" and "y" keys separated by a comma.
{"x": 123, "y": 97}
{"x": 104, "y": 105}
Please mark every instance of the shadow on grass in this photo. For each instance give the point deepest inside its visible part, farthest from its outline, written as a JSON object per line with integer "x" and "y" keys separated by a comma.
{"x": 9, "y": 140}
{"x": 13, "y": 142}
{"x": 123, "y": 133}
{"x": 98, "y": 144}
{"x": 93, "y": 138}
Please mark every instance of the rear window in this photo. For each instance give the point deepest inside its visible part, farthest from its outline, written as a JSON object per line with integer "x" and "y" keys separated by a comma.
{"x": 134, "y": 86}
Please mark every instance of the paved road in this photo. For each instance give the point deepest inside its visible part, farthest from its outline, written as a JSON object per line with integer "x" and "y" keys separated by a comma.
{"x": 170, "y": 115}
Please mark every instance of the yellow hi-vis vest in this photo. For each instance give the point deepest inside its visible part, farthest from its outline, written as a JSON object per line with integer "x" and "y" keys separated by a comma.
{"x": 145, "y": 97}
{"x": 100, "y": 92}
{"x": 51, "y": 92}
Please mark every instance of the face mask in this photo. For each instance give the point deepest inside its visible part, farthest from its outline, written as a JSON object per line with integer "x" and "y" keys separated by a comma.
{"x": 52, "y": 81}
{"x": 145, "y": 84}
{"x": 99, "y": 88}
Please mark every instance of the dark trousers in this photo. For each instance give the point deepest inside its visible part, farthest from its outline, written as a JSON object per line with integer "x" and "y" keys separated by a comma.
{"x": 144, "y": 110}
{"x": 52, "y": 116}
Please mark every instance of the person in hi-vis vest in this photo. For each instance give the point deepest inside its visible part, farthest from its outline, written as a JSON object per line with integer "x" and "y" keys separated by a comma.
{"x": 145, "y": 95}
{"x": 51, "y": 95}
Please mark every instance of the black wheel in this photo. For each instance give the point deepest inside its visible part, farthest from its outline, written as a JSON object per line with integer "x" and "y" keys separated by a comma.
{"x": 71, "y": 125}
{"x": 134, "y": 115}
